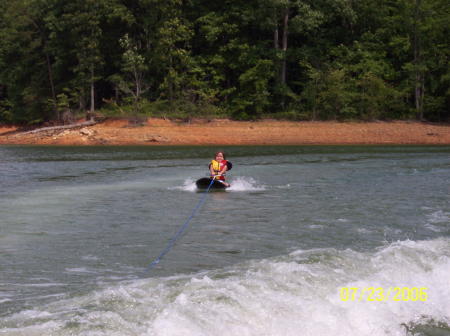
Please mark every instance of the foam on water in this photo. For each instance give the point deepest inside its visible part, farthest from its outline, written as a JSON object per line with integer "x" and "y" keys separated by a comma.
{"x": 439, "y": 217}
{"x": 240, "y": 183}
{"x": 438, "y": 221}
{"x": 79, "y": 270}
{"x": 48, "y": 284}
{"x": 188, "y": 185}
{"x": 295, "y": 294}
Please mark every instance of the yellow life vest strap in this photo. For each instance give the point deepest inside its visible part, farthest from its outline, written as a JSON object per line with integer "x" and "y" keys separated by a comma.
{"x": 215, "y": 166}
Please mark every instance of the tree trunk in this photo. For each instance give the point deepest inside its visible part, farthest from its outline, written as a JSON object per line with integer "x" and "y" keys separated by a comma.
{"x": 82, "y": 101}
{"x": 419, "y": 76}
{"x": 170, "y": 82}
{"x": 49, "y": 66}
{"x": 58, "y": 128}
{"x": 285, "y": 45}
{"x": 419, "y": 94}
{"x": 275, "y": 39}
{"x": 116, "y": 93}
{"x": 52, "y": 85}
{"x": 92, "y": 110}
{"x": 137, "y": 93}
{"x": 276, "y": 46}
{"x": 138, "y": 85}
{"x": 314, "y": 109}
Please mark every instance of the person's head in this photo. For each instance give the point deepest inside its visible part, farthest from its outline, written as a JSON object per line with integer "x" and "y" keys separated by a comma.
{"x": 219, "y": 156}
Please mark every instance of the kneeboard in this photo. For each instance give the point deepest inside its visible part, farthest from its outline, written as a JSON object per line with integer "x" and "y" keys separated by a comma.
{"x": 204, "y": 183}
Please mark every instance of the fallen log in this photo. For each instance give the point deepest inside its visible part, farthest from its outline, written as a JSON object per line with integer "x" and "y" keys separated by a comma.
{"x": 57, "y": 128}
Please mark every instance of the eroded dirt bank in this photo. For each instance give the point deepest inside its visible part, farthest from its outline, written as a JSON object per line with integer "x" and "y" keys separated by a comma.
{"x": 226, "y": 132}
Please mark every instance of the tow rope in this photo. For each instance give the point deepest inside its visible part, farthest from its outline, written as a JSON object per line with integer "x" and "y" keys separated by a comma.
{"x": 180, "y": 231}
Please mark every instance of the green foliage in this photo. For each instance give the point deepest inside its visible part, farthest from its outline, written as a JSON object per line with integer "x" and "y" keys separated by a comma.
{"x": 354, "y": 86}
{"x": 253, "y": 98}
{"x": 5, "y": 111}
{"x": 62, "y": 101}
{"x": 340, "y": 59}
{"x": 131, "y": 79}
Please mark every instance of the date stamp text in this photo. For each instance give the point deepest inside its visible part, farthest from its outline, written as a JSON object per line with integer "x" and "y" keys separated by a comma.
{"x": 381, "y": 294}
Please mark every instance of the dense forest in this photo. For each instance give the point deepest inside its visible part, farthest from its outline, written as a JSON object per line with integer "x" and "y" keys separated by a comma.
{"x": 243, "y": 59}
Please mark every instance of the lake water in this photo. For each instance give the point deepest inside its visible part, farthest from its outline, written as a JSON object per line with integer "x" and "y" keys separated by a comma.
{"x": 79, "y": 227}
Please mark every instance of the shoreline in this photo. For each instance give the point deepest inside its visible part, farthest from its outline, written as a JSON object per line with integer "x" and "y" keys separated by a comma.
{"x": 226, "y": 132}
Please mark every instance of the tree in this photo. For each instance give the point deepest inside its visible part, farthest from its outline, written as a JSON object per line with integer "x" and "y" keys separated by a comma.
{"x": 415, "y": 34}
{"x": 85, "y": 36}
{"x": 26, "y": 61}
{"x": 132, "y": 78}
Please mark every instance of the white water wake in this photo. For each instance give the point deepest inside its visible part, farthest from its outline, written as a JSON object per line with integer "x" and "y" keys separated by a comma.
{"x": 296, "y": 294}
{"x": 240, "y": 183}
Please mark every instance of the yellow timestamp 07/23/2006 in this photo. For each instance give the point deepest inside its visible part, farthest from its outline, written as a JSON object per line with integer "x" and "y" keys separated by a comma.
{"x": 381, "y": 294}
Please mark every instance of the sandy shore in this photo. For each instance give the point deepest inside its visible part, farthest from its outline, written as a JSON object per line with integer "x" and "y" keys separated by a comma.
{"x": 226, "y": 132}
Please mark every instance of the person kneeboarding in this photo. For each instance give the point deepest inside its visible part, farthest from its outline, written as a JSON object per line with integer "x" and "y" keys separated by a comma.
{"x": 218, "y": 168}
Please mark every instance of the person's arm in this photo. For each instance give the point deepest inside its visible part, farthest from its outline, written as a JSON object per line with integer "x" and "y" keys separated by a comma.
{"x": 224, "y": 169}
